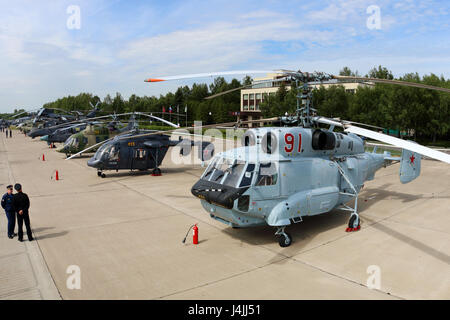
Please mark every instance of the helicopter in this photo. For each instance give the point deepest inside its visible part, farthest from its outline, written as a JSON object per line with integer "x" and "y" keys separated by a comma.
{"x": 131, "y": 150}
{"x": 41, "y": 118}
{"x": 62, "y": 134}
{"x": 142, "y": 153}
{"x": 49, "y": 127}
{"x": 282, "y": 174}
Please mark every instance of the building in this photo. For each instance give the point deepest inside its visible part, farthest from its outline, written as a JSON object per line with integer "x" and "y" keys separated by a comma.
{"x": 251, "y": 98}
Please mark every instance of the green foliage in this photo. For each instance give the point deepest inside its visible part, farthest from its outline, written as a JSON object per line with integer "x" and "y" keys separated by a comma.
{"x": 425, "y": 114}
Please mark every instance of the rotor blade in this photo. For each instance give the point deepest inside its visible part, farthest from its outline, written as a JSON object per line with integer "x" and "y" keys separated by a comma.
{"x": 361, "y": 124}
{"x": 331, "y": 122}
{"x": 398, "y": 82}
{"x": 408, "y": 145}
{"x": 342, "y": 123}
{"x": 370, "y": 144}
{"x": 244, "y": 87}
{"x": 206, "y": 75}
{"x": 200, "y": 136}
{"x": 88, "y": 120}
{"x": 227, "y": 124}
{"x": 159, "y": 119}
{"x": 225, "y": 92}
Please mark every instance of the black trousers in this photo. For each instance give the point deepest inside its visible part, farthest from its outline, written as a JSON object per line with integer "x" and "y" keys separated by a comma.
{"x": 21, "y": 218}
{"x": 11, "y": 222}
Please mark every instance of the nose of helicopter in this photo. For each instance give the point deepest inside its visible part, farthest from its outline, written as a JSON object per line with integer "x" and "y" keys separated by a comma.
{"x": 219, "y": 194}
{"x": 95, "y": 163}
{"x": 44, "y": 138}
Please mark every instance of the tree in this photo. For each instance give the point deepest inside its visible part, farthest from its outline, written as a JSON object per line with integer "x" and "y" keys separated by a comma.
{"x": 380, "y": 73}
{"x": 347, "y": 72}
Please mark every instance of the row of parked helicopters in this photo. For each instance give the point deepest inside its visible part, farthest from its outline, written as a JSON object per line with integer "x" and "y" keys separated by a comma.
{"x": 311, "y": 165}
{"x": 90, "y": 132}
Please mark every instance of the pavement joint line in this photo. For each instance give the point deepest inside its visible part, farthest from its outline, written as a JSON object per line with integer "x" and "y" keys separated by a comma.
{"x": 222, "y": 279}
{"x": 12, "y": 255}
{"x": 292, "y": 258}
{"x": 345, "y": 278}
{"x": 12, "y": 293}
{"x": 47, "y": 270}
{"x": 418, "y": 227}
{"x": 119, "y": 222}
{"x": 69, "y": 193}
{"x": 166, "y": 204}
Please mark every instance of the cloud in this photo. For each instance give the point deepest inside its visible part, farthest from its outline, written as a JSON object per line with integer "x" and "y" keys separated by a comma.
{"x": 120, "y": 43}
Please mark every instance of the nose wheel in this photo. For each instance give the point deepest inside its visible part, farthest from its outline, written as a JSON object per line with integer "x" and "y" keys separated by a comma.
{"x": 101, "y": 174}
{"x": 284, "y": 239}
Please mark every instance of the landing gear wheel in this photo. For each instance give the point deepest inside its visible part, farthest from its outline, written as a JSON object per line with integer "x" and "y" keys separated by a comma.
{"x": 353, "y": 223}
{"x": 103, "y": 175}
{"x": 99, "y": 173}
{"x": 285, "y": 240}
{"x": 156, "y": 172}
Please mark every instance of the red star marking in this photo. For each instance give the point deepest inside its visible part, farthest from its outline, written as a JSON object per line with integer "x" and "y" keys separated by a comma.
{"x": 412, "y": 159}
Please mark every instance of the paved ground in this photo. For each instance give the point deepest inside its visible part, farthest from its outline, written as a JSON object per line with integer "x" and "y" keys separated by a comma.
{"x": 23, "y": 271}
{"x": 125, "y": 231}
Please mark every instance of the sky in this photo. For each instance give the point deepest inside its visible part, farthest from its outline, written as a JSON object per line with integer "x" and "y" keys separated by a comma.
{"x": 51, "y": 49}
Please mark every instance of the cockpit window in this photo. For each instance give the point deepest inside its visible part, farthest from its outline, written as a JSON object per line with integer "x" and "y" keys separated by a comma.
{"x": 220, "y": 169}
{"x": 72, "y": 142}
{"x": 107, "y": 152}
{"x": 248, "y": 175}
{"x": 210, "y": 169}
{"x": 234, "y": 174}
{"x": 267, "y": 175}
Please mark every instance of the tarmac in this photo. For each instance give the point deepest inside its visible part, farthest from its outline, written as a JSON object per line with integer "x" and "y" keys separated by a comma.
{"x": 124, "y": 233}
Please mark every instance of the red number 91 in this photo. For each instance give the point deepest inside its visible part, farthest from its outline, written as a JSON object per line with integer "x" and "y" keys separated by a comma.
{"x": 289, "y": 140}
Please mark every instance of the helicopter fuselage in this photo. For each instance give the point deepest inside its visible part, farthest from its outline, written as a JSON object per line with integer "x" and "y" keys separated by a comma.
{"x": 283, "y": 174}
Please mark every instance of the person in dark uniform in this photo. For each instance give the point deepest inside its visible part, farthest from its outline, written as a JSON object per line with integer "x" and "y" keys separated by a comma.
{"x": 10, "y": 133}
{"x": 7, "y": 204}
{"x": 21, "y": 204}
{"x": 6, "y": 133}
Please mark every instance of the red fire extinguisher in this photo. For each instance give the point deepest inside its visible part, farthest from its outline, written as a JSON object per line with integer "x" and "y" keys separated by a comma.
{"x": 194, "y": 234}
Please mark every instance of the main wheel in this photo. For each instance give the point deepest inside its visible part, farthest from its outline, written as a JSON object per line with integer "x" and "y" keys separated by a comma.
{"x": 352, "y": 221}
{"x": 285, "y": 240}
{"x": 99, "y": 173}
{"x": 103, "y": 175}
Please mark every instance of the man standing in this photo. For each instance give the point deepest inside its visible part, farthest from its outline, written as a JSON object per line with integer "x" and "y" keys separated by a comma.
{"x": 6, "y": 133}
{"x": 7, "y": 204}
{"x": 10, "y": 132}
{"x": 21, "y": 204}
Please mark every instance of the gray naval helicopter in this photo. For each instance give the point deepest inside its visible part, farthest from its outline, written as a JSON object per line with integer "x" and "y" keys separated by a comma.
{"x": 282, "y": 174}
{"x": 133, "y": 150}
